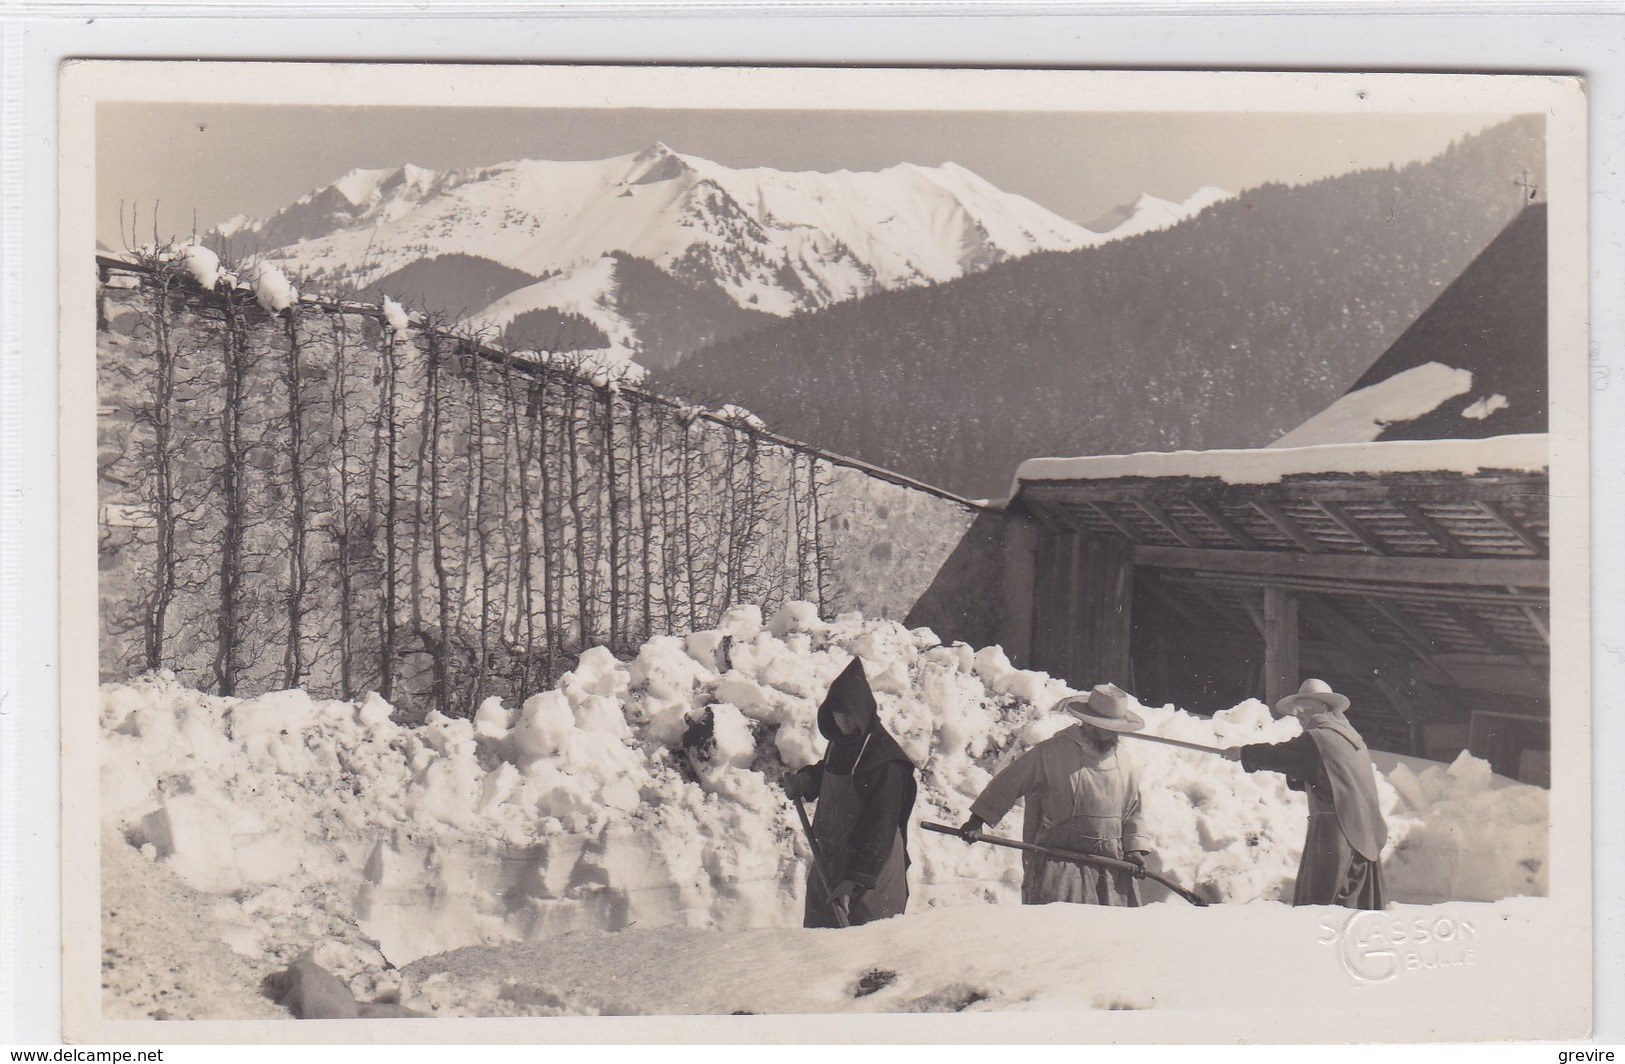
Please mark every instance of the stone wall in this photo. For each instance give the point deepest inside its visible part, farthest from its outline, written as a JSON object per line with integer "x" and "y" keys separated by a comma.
{"x": 915, "y": 556}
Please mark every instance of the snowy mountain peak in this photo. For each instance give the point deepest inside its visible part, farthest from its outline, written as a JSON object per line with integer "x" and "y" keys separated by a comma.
{"x": 234, "y": 225}
{"x": 1149, "y": 213}
{"x": 658, "y": 150}
{"x": 361, "y": 187}
{"x": 365, "y": 188}
{"x": 657, "y": 163}
{"x": 769, "y": 241}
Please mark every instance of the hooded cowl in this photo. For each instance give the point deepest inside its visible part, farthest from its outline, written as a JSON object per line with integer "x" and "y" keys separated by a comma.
{"x": 865, "y": 754}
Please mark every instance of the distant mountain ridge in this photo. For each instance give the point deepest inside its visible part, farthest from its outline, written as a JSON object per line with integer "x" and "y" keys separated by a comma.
{"x": 774, "y": 243}
{"x": 1150, "y": 213}
{"x": 1226, "y": 330}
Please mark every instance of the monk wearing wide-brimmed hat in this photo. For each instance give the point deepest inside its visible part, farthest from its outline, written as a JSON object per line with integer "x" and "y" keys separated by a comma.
{"x": 1342, "y": 853}
{"x": 1081, "y": 796}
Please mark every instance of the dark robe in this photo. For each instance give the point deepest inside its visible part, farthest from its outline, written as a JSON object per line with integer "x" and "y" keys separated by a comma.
{"x": 1342, "y": 852}
{"x": 865, "y": 789}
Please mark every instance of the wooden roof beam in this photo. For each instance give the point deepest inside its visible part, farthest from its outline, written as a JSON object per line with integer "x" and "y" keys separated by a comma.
{"x": 1153, "y": 585}
{"x": 1212, "y": 602}
{"x": 1514, "y": 526}
{"x": 1224, "y": 524}
{"x": 1441, "y": 535}
{"x": 1348, "y": 523}
{"x": 1112, "y": 519}
{"x": 1360, "y": 589}
{"x": 1528, "y": 609}
{"x": 1169, "y": 523}
{"x": 1484, "y": 634}
{"x": 1289, "y": 528}
{"x": 1479, "y": 572}
{"x": 1422, "y": 644}
{"x": 1254, "y": 614}
{"x": 1340, "y": 630}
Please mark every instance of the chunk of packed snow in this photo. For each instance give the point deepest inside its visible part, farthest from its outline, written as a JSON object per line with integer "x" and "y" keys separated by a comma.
{"x": 1480, "y": 409}
{"x": 395, "y": 316}
{"x": 794, "y": 617}
{"x": 273, "y": 291}
{"x": 202, "y": 264}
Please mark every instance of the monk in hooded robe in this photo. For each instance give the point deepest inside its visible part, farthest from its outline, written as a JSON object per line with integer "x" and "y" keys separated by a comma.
{"x": 865, "y": 791}
{"x": 1080, "y": 796}
{"x": 1342, "y": 852}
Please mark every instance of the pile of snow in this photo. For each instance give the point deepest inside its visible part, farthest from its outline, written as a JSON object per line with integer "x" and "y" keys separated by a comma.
{"x": 326, "y": 824}
{"x": 201, "y": 263}
{"x": 273, "y": 291}
{"x": 395, "y": 316}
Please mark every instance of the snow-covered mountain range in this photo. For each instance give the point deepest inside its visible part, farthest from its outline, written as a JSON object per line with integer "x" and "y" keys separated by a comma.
{"x": 554, "y": 238}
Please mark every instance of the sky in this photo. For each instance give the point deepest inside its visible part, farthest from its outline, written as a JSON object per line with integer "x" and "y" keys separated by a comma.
{"x": 215, "y": 160}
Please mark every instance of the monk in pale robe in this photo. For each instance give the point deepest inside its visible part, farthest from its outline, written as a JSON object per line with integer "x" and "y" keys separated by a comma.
{"x": 1081, "y": 796}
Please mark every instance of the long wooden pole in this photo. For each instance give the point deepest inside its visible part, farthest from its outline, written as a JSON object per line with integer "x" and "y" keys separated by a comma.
{"x": 819, "y": 865}
{"x": 1181, "y": 743}
{"x": 1069, "y": 855}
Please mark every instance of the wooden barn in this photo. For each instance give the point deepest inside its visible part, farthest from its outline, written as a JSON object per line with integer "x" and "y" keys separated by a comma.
{"x": 1411, "y": 575}
{"x": 1396, "y": 545}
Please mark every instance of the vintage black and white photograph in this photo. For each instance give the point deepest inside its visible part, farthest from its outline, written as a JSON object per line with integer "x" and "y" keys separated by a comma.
{"x": 973, "y": 550}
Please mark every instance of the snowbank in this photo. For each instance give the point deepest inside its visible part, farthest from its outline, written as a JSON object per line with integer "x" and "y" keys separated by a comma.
{"x": 326, "y": 824}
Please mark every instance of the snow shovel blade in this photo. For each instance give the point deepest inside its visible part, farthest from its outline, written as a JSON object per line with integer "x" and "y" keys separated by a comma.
{"x": 1070, "y": 855}
{"x": 819, "y": 865}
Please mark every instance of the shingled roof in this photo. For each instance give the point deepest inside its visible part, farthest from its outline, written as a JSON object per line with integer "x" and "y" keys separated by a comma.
{"x": 1474, "y": 362}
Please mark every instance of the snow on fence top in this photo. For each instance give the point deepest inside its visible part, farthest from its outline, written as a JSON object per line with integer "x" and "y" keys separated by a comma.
{"x": 1523, "y": 453}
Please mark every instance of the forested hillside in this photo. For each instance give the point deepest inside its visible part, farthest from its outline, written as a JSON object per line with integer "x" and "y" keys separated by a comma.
{"x": 1224, "y": 331}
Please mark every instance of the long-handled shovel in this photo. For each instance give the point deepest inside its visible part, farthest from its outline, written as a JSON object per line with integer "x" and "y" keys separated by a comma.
{"x": 1070, "y": 855}
{"x": 820, "y": 866}
{"x": 1181, "y": 743}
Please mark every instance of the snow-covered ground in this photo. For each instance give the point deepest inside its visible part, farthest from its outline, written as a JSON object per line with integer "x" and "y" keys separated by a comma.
{"x": 565, "y": 857}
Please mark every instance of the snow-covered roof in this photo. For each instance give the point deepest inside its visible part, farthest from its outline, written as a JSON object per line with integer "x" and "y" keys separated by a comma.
{"x": 1523, "y": 453}
{"x": 1363, "y": 414}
